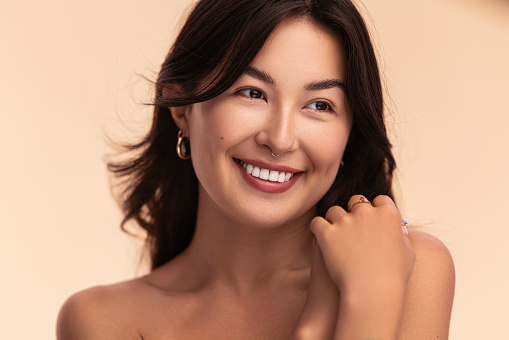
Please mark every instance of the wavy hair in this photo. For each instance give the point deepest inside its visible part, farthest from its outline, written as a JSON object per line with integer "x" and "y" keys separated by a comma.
{"x": 217, "y": 43}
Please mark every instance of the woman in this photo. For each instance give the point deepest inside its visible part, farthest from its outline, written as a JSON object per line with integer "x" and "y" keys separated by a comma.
{"x": 274, "y": 218}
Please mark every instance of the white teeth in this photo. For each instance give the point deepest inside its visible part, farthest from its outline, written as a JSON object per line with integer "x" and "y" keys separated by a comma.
{"x": 266, "y": 174}
{"x": 273, "y": 176}
{"x": 249, "y": 168}
{"x": 256, "y": 172}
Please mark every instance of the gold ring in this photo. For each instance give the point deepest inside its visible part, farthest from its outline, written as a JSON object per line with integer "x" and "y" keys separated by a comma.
{"x": 360, "y": 200}
{"x": 274, "y": 155}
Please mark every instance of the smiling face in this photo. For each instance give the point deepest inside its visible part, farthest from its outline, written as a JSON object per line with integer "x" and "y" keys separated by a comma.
{"x": 289, "y": 103}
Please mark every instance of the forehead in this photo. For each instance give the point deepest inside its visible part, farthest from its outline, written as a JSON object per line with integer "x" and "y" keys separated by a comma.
{"x": 304, "y": 48}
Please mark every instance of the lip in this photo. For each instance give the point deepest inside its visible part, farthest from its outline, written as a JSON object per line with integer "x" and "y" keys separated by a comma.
{"x": 268, "y": 186}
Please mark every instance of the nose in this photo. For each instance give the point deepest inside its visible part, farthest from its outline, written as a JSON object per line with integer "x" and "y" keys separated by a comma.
{"x": 279, "y": 133}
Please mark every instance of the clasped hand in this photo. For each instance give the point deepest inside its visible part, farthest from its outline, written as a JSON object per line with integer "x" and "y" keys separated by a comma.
{"x": 362, "y": 262}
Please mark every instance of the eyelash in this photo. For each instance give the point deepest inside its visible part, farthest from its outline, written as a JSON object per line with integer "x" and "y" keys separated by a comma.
{"x": 262, "y": 96}
{"x": 328, "y": 109}
{"x": 242, "y": 92}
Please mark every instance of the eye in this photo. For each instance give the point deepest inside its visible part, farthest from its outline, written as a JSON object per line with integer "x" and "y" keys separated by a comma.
{"x": 252, "y": 93}
{"x": 320, "y": 106}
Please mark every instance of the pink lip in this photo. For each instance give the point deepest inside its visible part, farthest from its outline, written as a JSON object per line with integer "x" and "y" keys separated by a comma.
{"x": 268, "y": 186}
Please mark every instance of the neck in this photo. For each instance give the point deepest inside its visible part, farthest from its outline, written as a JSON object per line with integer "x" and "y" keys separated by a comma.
{"x": 248, "y": 256}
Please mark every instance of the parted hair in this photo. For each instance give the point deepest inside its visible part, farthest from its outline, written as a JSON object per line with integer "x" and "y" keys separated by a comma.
{"x": 218, "y": 41}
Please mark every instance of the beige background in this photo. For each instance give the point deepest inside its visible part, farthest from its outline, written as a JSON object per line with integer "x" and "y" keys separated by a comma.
{"x": 68, "y": 77}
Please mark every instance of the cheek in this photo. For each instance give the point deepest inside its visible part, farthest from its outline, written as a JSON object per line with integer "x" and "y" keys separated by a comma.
{"x": 327, "y": 146}
{"x": 328, "y": 160}
{"x": 221, "y": 123}
{"x": 208, "y": 125}
{"x": 214, "y": 127}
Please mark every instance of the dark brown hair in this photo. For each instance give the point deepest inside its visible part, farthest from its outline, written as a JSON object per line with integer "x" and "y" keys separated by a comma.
{"x": 217, "y": 43}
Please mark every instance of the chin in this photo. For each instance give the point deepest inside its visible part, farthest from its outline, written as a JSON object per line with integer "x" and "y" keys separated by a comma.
{"x": 270, "y": 219}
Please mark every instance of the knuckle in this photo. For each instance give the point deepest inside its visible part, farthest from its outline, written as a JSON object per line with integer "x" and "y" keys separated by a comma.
{"x": 332, "y": 212}
{"x": 323, "y": 230}
{"x": 335, "y": 208}
{"x": 383, "y": 198}
{"x": 317, "y": 225}
{"x": 389, "y": 210}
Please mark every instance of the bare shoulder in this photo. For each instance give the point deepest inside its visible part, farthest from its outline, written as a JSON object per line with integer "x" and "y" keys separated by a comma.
{"x": 430, "y": 292}
{"x": 102, "y": 312}
{"x": 430, "y": 249}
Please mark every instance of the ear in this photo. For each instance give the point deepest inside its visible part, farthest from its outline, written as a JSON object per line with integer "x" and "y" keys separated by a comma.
{"x": 179, "y": 114}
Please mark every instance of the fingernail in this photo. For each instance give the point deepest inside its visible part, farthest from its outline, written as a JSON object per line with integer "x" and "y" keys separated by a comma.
{"x": 405, "y": 228}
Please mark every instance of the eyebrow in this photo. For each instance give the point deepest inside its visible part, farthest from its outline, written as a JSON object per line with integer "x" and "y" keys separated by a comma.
{"x": 260, "y": 75}
{"x": 325, "y": 84}
{"x": 313, "y": 86}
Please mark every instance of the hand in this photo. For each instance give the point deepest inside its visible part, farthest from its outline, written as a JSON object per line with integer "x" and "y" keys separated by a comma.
{"x": 365, "y": 247}
{"x": 370, "y": 259}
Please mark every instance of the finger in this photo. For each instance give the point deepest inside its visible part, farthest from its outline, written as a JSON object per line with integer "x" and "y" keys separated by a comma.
{"x": 404, "y": 229}
{"x": 356, "y": 201}
{"x": 318, "y": 225}
{"x": 387, "y": 203}
{"x": 335, "y": 213}
{"x": 383, "y": 200}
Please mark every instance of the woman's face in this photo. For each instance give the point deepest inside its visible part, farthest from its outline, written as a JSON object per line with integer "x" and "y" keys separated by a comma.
{"x": 288, "y": 103}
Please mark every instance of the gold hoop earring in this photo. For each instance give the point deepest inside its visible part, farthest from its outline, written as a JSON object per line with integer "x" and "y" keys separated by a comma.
{"x": 183, "y": 149}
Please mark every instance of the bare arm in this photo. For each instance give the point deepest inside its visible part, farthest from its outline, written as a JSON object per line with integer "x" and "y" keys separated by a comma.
{"x": 395, "y": 299}
{"x": 425, "y": 311}
{"x": 430, "y": 292}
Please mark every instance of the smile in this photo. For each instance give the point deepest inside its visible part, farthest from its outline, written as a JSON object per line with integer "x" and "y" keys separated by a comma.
{"x": 266, "y": 174}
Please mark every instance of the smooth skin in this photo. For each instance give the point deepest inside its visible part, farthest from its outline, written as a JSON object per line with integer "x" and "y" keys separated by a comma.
{"x": 261, "y": 265}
